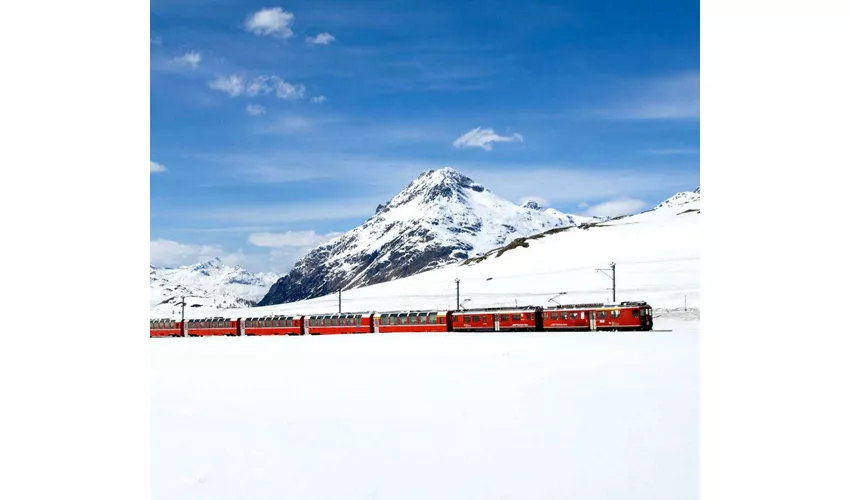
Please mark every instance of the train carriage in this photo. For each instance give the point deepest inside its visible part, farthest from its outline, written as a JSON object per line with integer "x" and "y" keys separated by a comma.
{"x": 273, "y": 325}
{"x": 576, "y": 317}
{"x": 624, "y": 316}
{"x": 496, "y": 319}
{"x": 412, "y": 321}
{"x": 336, "y": 324}
{"x": 210, "y": 327}
{"x": 166, "y": 328}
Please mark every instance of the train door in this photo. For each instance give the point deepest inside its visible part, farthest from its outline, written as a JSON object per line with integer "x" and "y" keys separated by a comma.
{"x": 305, "y": 321}
{"x": 592, "y": 316}
{"x": 376, "y": 319}
{"x": 496, "y": 322}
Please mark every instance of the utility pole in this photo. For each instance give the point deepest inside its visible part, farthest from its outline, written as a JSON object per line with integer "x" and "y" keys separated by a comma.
{"x": 457, "y": 292}
{"x": 613, "y": 277}
{"x": 182, "y": 308}
{"x": 340, "y": 300}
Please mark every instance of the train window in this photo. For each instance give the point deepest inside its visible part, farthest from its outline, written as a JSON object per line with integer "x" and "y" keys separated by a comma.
{"x": 467, "y": 319}
{"x": 643, "y": 312}
{"x": 582, "y": 315}
{"x": 615, "y": 314}
{"x": 600, "y": 315}
{"x": 649, "y": 312}
{"x": 476, "y": 319}
{"x": 504, "y": 317}
{"x": 635, "y": 313}
{"x": 517, "y": 317}
{"x": 393, "y": 319}
{"x": 433, "y": 318}
{"x": 484, "y": 318}
{"x": 574, "y": 315}
{"x": 564, "y": 315}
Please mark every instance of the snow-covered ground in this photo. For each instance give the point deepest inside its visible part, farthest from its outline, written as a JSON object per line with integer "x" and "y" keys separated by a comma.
{"x": 451, "y": 416}
{"x": 657, "y": 255}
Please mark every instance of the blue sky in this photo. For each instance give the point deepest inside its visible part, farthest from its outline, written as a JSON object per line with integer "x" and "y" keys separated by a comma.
{"x": 277, "y": 125}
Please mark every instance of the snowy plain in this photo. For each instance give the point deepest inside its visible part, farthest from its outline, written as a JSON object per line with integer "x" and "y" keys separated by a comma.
{"x": 527, "y": 416}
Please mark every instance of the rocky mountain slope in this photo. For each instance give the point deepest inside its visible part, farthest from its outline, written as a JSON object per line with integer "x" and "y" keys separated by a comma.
{"x": 441, "y": 217}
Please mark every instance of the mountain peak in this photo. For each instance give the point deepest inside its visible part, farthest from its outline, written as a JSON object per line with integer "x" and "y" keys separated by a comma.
{"x": 532, "y": 205}
{"x": 214, "y": 263}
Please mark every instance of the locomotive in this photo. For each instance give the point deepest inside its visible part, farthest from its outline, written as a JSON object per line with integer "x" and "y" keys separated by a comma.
{"x": 628, "y": 316}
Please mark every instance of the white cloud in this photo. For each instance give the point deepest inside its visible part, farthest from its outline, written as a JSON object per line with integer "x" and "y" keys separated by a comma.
{"x": 319, "y": 99}
{"x": 482, "y": 138}
{"x": 668, "y": 98}
{"x": 167, "y": 253}
{"x": 274, "y": 22}
{"x": 157, "y": 167}
{"x": 233, "y": 84}
{"x": 290, "y": 239}
{"x": 321, "y": 39}
{"x": 255, "y": 109}
{"x": 192, "y": 59}
{"x": 236, "y": 85}
{"x": 583, "y": 204}
{"x": 613, "y": 208}
{"x": 277, "y": 213}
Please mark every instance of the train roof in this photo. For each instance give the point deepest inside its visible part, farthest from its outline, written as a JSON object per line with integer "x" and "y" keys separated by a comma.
{"x": 597, "y": 305}
{"x": 499, "y": 309}
{"x": 413, "y": 311}
{"x": 354, "y": 313}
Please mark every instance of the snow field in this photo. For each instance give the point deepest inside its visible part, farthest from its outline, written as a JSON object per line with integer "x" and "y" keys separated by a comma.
{"x": 609, "y": 415}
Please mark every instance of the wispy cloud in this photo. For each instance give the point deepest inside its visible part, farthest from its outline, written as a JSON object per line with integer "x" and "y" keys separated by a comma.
{"x": 255, "y": 109}
{"x": 168, "y": 253}
{"x": 290, "y": 239}
{"x": 321, "y": 39}
{"x": 614, "y": 208}
{"x": 236, "y": 85}
{"x": 274, "y": 22}
{"x": 482, "y": 138}
{"x": 278, "y": 213}
{"x": 192, "y": 59}
{"x": 232, "y": 84}
{"x": 319, "y": 99}
{"x": 157, "y": 167}
{"x": 668, "y": 98}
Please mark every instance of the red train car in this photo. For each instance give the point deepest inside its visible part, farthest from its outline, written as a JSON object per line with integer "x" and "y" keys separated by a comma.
{"x": 209, "y": 327}
{"x": 273, "y": 325}
{"x": 575, "y": 317}
{"x": 624, "y": 316}
{"x": 412, "y": 321}
{"x": 166, "y": 328}
{"x": 594, "y": 317}
{"x": 497, "y": 319}
{"x": 335, "y": 324}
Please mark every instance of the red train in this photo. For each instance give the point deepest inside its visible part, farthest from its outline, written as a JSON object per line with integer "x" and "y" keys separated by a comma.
{"x": 635, "y": 316}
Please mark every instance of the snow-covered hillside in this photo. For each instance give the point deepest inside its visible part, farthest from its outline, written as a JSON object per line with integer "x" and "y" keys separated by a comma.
{"x": 440, "y": 218}
{"x": 657, "y": 254}
{"x": 206, "y": 285}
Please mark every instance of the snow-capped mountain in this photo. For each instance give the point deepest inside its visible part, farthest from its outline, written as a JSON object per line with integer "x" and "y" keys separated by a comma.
{"x": 207, "y": 284}
{"x": 441, "y": 217}
{"x": 680, "y": 199}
